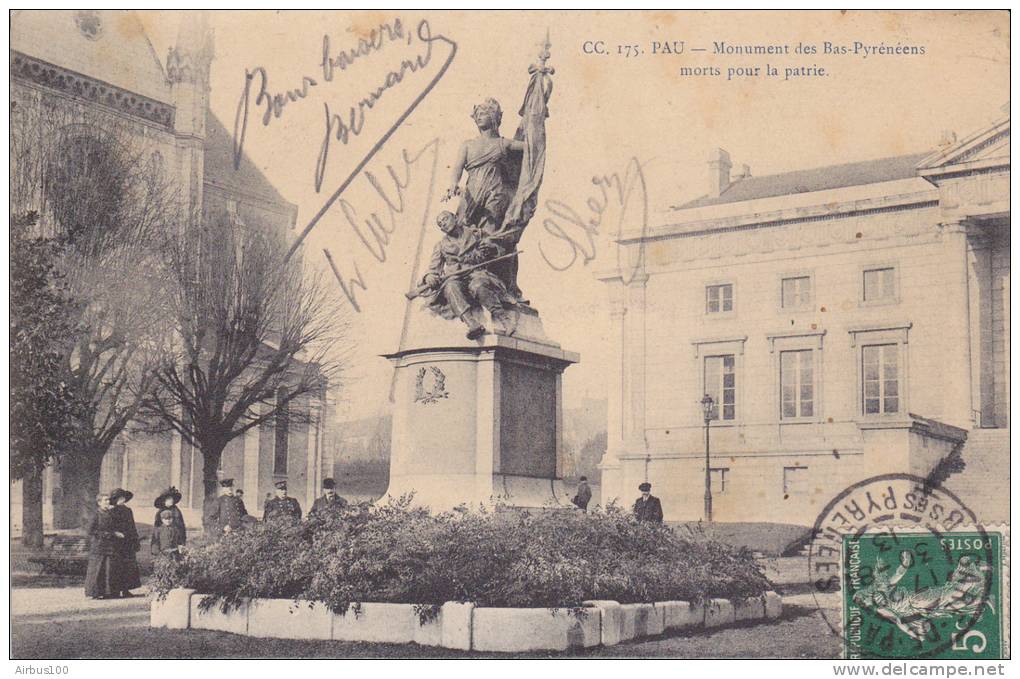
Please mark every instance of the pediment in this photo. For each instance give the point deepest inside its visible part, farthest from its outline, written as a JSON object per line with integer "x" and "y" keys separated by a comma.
{"x": 986, "y": 148}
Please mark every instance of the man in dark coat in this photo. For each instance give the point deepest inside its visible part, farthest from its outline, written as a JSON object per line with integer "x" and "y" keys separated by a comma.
{"x": 583, "y": 495}
{"x": 648, "y": 507}
{"x": 282, "y": 506}
{"x": 227, "y": 513}
{"x": 329, "y": 502}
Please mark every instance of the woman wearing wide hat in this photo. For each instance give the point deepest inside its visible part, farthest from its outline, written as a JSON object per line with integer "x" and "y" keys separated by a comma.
{"x": 103, "y": 537}
{"x": 125, "y": 565}
{"x": 168, "y": 501}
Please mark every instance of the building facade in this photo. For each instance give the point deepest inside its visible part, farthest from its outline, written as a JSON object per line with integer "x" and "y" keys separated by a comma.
{"x": 847, "y": 321}
{"x": 92, "y": 68}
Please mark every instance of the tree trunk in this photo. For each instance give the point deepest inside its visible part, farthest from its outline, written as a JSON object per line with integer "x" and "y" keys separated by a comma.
{"x": 79, "y": 481}
{"x": 210, "y": 479}
{"x": 32, "y": 509}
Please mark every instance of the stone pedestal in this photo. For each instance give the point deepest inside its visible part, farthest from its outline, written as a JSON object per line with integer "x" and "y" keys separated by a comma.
{"x": 478, "y": 421}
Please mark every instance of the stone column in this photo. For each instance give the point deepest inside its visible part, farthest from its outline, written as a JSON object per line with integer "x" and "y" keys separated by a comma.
{"x": 311, "y": 454}
{"x": 634, "y": 367}
{"x": 957, "y": 403}
{"x": 980, "y": 281}
{"x": 252, "y": 457}
{"x": 610, "y": 464}
{"x": 1002, "y": 410}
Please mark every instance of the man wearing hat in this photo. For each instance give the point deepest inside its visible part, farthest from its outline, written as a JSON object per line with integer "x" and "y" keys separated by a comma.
{"x": 281, "y": 506}
{"x": 329, "y": 502}
{"x": 648, "y": 507}
{"x": 227, "y": 513}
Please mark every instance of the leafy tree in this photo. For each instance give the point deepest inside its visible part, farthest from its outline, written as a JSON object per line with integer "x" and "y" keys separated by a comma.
{"x": 46, "y": 417}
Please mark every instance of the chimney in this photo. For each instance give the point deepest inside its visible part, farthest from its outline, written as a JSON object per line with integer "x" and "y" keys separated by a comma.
{"x": 745, "y": 173}
{"x": 718, "y": 172}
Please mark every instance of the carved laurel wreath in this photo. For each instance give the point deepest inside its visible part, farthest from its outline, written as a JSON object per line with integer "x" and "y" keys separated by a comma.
{"x": 438, "y": 386}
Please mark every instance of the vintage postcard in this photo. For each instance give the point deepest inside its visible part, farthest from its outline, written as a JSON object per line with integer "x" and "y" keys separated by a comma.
{"x": 510, "y": 334}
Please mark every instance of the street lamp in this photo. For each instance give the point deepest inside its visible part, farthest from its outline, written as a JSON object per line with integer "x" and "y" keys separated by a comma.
{"x": 706, "y": 408}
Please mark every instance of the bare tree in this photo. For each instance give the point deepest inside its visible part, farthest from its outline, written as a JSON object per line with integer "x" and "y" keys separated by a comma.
{"x": 253, "y": 333}
{"x": 101, "y": 193}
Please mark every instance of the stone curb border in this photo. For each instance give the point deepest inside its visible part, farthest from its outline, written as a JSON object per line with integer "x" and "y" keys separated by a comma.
{"x": 462, "y": 626}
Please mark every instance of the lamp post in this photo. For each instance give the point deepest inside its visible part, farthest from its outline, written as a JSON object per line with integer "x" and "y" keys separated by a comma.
{"x": 706, "y": 408}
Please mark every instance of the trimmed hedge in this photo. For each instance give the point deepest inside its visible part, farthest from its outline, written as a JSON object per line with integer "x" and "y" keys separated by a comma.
{"x": 509, "y": 558}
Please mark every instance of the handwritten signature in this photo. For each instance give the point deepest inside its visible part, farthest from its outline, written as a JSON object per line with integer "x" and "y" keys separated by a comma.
{"x": 338, "y": 128}
{"x": 374, "y": 231}
{"x": 273, "y": 104}
{"x": 576, "y": 234}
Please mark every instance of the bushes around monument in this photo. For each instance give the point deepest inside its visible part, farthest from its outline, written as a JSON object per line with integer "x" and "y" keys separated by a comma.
{"x": 506, "y": 558}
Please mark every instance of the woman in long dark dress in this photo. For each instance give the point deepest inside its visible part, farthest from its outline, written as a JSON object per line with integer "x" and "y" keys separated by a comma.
{"x": 168, "y": 501}
{"x": 125, "y": 565}
{"x": 103, "y": 536}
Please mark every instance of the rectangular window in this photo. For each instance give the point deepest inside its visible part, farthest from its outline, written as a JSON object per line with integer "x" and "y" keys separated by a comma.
{"x": 796, "y": 383}
{"x": 880, "y": 372}
{"x": 282, "y": 431}
{"x": 721, "y": 385}
{"x": 720, "y": 478}
{"x": 879, "y": 284}
{"x": 719, "y": 298}
{"x": 796, "y": 292}
{"x": 794, "y": 480}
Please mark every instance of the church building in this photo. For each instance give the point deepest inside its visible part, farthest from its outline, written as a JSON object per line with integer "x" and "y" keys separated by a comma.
{"x": 100, "y": 64}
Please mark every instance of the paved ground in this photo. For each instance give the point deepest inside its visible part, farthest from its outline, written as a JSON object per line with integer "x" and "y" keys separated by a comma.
{"x": 60, "y": 623}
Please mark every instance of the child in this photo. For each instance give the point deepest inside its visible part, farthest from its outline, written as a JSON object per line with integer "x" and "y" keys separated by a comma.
{"x": 167, "y": 538}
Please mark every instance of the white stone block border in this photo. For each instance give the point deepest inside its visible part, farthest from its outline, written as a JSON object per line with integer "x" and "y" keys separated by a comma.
{"x": 463, "y": 626}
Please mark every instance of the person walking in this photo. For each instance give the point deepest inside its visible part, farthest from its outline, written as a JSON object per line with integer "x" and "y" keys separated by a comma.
{"x": 167, "y": 502}
{"x": 125, "y": 563}
{"x": 648, "y": 507}
{"x": 583, "y": 495}
{"x": 102, "y": 538}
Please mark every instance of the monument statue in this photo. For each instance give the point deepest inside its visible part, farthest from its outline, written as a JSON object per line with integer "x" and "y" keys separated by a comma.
{"x": 460, "y": 273}
{"x": 480, "y": 420}
{"x": 496, "y": 204}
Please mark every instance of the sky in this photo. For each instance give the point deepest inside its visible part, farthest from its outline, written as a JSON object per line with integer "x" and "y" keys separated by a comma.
{"x": 605, "y": 111}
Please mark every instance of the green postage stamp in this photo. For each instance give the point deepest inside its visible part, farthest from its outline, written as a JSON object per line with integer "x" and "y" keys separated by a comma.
{"x": 923, "y": 595}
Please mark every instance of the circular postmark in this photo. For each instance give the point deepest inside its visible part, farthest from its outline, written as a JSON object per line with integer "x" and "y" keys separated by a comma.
{"x": 912, "y": 567}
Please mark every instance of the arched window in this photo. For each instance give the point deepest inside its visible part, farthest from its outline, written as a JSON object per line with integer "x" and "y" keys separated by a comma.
{"x": 86, "y": 186}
